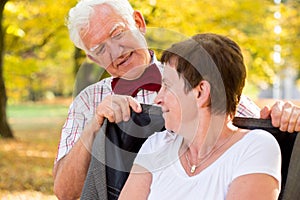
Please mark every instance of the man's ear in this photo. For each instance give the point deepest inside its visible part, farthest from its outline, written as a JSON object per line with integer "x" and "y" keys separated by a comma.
{"x": 139, "y": 21}
{"x": 202, "y": 93}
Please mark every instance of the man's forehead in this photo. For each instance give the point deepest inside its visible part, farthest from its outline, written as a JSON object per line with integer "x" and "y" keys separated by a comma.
{"x": 104, "y": 12}
{"x": 103, "y": 22}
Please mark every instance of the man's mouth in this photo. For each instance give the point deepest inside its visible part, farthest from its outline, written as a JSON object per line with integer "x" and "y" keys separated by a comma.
{"x": 124, "y": 59}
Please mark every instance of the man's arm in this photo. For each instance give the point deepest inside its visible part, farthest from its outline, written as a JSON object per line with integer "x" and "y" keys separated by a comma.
{"x": 69, "y": 172}
{"x": 284, "y": 115}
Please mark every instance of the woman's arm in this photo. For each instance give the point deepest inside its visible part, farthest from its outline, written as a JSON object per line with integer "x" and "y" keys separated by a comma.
{"x": 254, "y": 186}
{"x": 137, "y": 185}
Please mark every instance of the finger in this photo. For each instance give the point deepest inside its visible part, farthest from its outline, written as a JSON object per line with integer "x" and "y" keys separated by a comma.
{"x": 287, "y": 110}
{"x": 118, "y": 111}
{"x": 99, "y": 120}
{"x": 105, "y": 112}
{"x": 275, "y": 114}
{"x": 122, "y": 110}
{"x": 295, "y": 115}
{"x": 293, "y": 120}
{"x": 134, "y": 104}
{"x": 297, "y": 126}
{"x": 265, "y": 112}
{"x": 113, "y": 107}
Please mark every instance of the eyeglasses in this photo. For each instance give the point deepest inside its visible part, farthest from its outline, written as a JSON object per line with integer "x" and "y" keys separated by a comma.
{"x": 120, "y": 36}
{"x": 100, "y": 49}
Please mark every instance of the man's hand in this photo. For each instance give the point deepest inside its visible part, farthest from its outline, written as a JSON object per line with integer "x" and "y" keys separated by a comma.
{"x": 284, "y": 115}
{"x": 116, "y": 108}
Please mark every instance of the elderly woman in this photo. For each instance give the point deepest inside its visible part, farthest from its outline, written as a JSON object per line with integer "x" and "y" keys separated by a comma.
{"x": 202, "y": 155}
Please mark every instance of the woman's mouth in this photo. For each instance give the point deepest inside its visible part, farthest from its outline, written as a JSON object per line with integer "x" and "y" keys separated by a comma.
{"x": 165, "y": 110}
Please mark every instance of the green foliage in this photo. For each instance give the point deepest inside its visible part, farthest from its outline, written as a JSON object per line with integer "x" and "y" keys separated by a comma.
{"x": 36, "y": 111}
{"x": 39, "y": 59}
{"x": 250, "y": 23}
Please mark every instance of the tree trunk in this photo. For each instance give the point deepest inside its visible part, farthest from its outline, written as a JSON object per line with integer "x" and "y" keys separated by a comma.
{"x": 5, "y": 130}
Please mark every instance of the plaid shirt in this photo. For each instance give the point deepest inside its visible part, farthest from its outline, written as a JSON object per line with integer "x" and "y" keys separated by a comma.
{"x": 247, "y": 108}
{"x": 84, "y": 106}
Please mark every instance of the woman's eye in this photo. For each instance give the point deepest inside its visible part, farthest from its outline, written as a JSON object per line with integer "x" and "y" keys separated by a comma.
{"x": 165, "y": 86}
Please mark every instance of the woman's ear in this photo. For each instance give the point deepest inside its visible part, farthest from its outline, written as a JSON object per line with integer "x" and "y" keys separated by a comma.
{"x": 139, "y": 21}
{"x": 202, "y": 93}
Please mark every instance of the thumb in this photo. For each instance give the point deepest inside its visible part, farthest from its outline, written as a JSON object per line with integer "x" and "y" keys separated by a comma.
{"x": 134, "y": 104}
{"x": 265, "y": 112}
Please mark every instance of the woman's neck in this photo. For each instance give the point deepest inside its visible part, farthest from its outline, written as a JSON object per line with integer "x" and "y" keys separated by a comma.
{"x": 212, "y": 133}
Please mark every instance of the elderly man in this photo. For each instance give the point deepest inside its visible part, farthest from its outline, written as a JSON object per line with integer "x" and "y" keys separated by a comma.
{"x": 112, "y": 35}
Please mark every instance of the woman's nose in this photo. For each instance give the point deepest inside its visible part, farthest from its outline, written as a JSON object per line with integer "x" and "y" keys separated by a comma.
{"x": 158, "y": 99}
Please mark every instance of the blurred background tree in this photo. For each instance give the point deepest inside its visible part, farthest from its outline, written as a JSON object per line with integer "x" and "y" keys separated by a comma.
{"x": 250, "y": 23}
{"x": 5, "y": 130}
{"x": 38, "y": 58}
{"x": 40, "y": 61}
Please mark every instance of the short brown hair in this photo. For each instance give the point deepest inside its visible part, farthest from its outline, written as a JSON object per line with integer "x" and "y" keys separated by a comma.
{"x": 197, "y": 60}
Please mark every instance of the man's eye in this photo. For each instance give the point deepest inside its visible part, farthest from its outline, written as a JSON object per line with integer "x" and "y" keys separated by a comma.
{"x": 100, "y": 50}
{"x": 118, "y": 35}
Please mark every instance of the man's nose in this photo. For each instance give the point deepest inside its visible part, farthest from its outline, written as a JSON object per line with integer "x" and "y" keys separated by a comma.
{"x": 115, "y": 49}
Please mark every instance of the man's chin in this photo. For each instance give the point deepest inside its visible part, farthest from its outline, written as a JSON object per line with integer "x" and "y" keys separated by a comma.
{"x": 134, "y": 73}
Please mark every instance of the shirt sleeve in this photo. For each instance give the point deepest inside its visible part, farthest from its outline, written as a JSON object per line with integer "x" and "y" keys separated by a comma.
{"x": 262, "y": 155}
{"x": 81, "y": 111}
{"x": 247, "y": 108}
{"x": 73, "y": 126}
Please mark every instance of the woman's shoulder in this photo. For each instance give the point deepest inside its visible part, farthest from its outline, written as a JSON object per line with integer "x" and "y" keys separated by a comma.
{"x": 259, "y": 134}
{"x": 159, "y": 150}
{"x": 159, "y": 140}
{"x": 260, "y": 138}
{"x": 162, "y": 138}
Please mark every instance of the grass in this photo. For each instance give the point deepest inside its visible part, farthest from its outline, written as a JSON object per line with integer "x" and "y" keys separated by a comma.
{"x": 26, "y": 162}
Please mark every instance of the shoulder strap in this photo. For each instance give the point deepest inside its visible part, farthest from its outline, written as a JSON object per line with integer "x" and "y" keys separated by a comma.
{"x": 292, "y": 188}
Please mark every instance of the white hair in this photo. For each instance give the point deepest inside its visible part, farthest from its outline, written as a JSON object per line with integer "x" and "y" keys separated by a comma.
{"x": 79, "y": 16}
